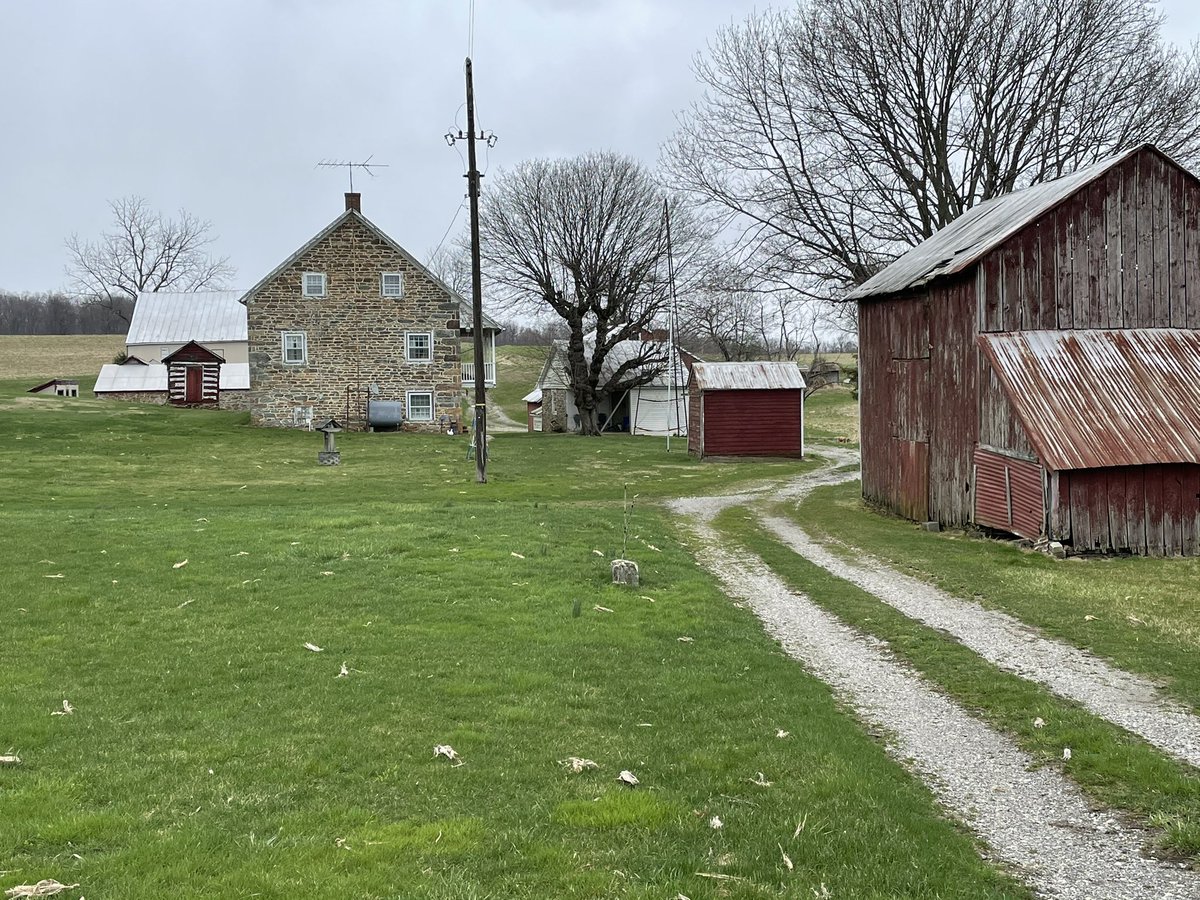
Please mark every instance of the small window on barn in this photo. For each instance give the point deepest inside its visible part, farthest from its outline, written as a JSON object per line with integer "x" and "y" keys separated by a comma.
{"x": 295, "y": 348}
{"x": 420, "y": 406}
{"x": 418, "y": 346}
{"x": 314, "y": 284}
{"x": 163, "y": 353}
{"x": 392, "y": 284}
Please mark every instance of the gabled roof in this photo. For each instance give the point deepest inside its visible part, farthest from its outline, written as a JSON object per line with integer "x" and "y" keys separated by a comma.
{"x": 213, "y": 317}
{"x": 748, "y": 376}
{"x": 52, "y": 383}
{"x": 553, "y": 375}
{"x": 464, "y": 305}
{"x": 984, "y": 227}
{"x": 196, "y": 351}
{"x": 1095, "y": 399}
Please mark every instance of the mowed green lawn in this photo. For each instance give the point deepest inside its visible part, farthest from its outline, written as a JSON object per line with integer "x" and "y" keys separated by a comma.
{"x": 166, "y": 568}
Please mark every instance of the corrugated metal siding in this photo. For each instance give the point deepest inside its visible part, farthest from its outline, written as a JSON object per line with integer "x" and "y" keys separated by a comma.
{"x": 1091, "y": 399}
{"x": 1009, "y": 494}
{"x": 753, "y": 423}
{"x": 1149, "y": 510}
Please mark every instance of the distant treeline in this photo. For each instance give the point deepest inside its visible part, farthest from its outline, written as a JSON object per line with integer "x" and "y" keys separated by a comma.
{"x": 59, "y": 314}
{"x": 538, "y": 335}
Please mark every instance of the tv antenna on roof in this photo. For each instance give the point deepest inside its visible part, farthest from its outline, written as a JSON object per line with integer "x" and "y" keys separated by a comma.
{"x": 366, "y": 165}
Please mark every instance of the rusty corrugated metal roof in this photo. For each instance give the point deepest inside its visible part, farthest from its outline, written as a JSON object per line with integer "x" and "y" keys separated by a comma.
{"x": 747, "y": 376}
{"x": 1094, "y": 399}
{"x": 981, "y": 229}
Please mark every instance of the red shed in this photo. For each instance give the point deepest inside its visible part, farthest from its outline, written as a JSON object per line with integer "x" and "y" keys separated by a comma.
{"x": 193, "y": 375}
{"x": 1034, "y": 367}
{"x": 746, "y": 409}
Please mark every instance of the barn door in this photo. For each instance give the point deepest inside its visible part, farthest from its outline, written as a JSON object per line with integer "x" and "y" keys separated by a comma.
{"x": 193, "y": 391}
{"x": 910, "y": 436}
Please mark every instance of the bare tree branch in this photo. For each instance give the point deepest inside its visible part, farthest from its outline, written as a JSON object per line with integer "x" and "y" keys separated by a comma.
{"x": 144, "y": 252}
{"x": 840, "y": 133}
{"x": 585, "y": 238}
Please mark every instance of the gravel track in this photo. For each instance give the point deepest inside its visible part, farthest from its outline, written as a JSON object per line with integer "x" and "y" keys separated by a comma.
{"x": 1123, "y": 699}
{"x": 1035, "y": 820}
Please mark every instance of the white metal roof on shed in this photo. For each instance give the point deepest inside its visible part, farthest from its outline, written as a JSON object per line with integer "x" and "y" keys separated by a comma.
{"x": 534, "y": 396}
{"x": 172, "y": 318}
{"x": 747, "y": 376}
{"x": 979, "y": 230}
{"x": 153, "y": 377}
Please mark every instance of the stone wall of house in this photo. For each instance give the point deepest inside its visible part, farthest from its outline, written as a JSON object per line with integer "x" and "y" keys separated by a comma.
{"x": 159, "y": 398}
{"x": 355, "y": 336}
{"x": 554, "y": 409}
{"x": 235, "y": 400}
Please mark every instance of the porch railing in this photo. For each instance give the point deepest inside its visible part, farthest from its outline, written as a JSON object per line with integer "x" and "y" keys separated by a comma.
{"x": 489, "y": 373}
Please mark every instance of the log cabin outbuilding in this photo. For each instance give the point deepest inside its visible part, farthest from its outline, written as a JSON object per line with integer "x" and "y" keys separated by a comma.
{"x": 1034, "y": 367}
{"x": 746, "y": 409}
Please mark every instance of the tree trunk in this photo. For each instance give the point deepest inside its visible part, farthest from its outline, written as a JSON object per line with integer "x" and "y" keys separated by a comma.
{"x": 589, "y": 422}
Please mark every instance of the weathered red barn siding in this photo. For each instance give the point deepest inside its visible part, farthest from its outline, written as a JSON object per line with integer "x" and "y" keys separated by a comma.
{"x": 695, "y": 419}
{"x": 752, "y": 423}
{"x": 1150, "y": 510}
{"x": 1123, "y": 252}
{"x": 918, "y": 368}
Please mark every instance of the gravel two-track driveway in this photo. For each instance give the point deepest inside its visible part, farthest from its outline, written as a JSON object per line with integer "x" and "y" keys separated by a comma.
{"x": 1033, "y": 819}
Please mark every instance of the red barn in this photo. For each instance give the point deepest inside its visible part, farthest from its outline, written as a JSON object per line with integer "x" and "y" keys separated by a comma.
{"x": 746, "y": 409}
{"x": 1034, "y": 367}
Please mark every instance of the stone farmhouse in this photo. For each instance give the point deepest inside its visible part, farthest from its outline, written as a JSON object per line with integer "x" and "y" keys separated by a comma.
{"x": 351, "y": 327}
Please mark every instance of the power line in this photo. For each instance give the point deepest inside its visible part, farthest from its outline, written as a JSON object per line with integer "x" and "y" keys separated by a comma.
{"x": 447, "y": 232}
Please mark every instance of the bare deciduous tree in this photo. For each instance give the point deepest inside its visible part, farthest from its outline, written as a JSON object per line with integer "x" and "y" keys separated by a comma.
{"x": 585, "y": 239}
{"x": 844, "y": 131}
{"x": 145, "y": 252}
{"x": 452, "y": 264}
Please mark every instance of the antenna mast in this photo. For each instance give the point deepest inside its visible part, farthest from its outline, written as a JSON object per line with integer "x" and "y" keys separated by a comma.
{"x": 366, "y": 165}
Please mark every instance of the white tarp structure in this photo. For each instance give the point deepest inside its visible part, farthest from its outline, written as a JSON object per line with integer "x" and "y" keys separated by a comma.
{"x": 655, "y": 408}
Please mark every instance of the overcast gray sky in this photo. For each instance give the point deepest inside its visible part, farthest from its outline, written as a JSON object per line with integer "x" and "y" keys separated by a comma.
{"x": 224, "y": 107}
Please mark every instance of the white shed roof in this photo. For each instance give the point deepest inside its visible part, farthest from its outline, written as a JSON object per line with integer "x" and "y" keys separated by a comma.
{"x": 202, "y": 316}
{"x": 153, "y": 377}
{"x": 747, "y": 376}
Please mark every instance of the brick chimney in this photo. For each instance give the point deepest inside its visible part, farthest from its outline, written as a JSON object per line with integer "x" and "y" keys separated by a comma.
{"x": 354, "y": 201}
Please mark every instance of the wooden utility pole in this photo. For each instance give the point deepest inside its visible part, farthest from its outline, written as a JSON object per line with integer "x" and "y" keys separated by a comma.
{"x": 476, "y": 291}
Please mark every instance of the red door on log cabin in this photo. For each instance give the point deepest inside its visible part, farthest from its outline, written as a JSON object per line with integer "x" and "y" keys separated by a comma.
{"x": 193, "y": 391}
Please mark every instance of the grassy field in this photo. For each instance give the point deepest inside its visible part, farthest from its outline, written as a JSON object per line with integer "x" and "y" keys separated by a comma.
{"x": 165, "y": 569}
{"x": 1143, "y": 614}
{"x": 47, "y": 356}
{"x": 1116, "y": 769}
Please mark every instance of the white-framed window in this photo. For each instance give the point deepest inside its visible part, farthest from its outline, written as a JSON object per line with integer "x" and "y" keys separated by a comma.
{"x": 391, "y": 284}
{"x": 418, "y": 346}
{"x": 314, "y": 284}
{"x": 420, "y": 406}
{"x": 295, "y": 348}
{"x": 163, "y": 353}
